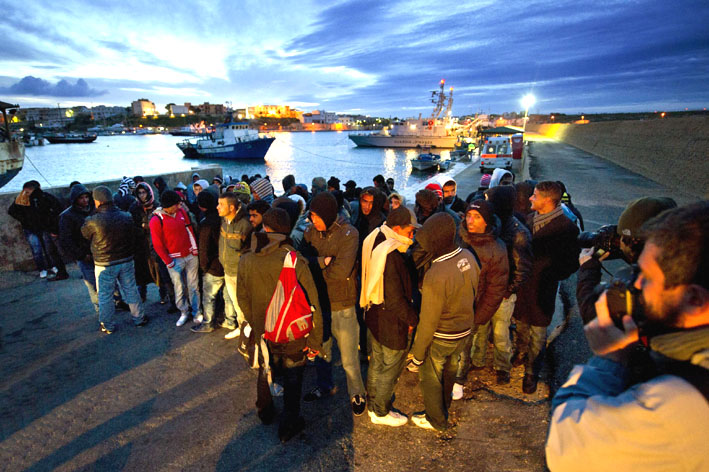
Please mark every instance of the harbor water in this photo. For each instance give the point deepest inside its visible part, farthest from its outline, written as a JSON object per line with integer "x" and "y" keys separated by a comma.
{"x": 303, "y": 154}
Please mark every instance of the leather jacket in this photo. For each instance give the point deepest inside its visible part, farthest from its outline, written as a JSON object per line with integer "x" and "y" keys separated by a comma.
{"x": 518, "y": 240}
{"x": 112, "y": 235}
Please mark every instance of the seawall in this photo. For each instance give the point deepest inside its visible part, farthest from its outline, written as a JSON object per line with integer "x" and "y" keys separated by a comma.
{"x": 671, "y": 151}
{"x": 15, "y": 252}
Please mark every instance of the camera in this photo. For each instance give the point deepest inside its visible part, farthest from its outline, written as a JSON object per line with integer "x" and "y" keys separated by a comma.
{"x": 605, "y": 240}
{"x": 623, "y": 298}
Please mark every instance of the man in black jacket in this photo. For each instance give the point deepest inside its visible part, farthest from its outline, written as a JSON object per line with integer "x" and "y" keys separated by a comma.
{"x": 112, "y": 235}
{"x": 556, "y": 253}
{"x": 387, "y": 291}
{"x": 73, "y": 243}
{"x": 212, "y": 270}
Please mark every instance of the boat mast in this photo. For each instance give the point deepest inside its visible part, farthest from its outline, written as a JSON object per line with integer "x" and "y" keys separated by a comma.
{"x": 450, "y": 105}
{"x": 439, "y": 98}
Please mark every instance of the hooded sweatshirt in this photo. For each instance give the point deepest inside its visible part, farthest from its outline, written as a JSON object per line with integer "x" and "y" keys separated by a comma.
{"x": 497, "y": 175}
{"x": 172, "y": 235}
{"x": 70, "y": 222}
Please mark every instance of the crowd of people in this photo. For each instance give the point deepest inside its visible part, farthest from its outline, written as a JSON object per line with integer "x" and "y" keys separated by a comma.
{"x": 424, "y": 287}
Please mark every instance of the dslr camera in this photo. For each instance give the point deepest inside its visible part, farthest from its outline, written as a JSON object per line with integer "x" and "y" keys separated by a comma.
{"x": 623, "y": 298}
{"x": 605, "y": 240}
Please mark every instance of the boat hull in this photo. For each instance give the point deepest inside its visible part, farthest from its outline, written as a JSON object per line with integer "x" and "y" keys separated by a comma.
{"x": 254, "y": 149}
{"x": 12, "y": 157}
{"x": 372, "y": 140}
{"x": 67, "y": 140}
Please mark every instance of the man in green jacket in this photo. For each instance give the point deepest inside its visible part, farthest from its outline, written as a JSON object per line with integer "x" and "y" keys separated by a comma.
{"x": 258, "y": 275}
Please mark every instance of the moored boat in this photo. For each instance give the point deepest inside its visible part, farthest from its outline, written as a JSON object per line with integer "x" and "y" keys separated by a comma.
{"x": 12, "y": 150}
{"x": 70, "y": 138}
{"x": 426, "y": 161}
{"x": 228, "y": 141}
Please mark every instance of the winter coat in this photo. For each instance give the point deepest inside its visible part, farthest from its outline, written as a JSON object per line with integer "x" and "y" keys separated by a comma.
{"x": 458, "y": 205}
{"x": 556, "y": 252}
{"x": 259, "y": 270}
{"x": 70, "y": 222}
{"x": 340, "y": 241}
{"x": 172, "y": 235}
{"x": 41, "y": 215}
{"x": 234, "y": 240}
{"x": 518, "y": 241}
{"x": 209, "y": 229}
{"x": 494, "y": 269}
{"x": 389, "y": 322}
{"x": 112, "y": 235}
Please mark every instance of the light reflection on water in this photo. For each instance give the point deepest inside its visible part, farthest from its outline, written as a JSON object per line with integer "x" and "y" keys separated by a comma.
{"x": 305, "y": 155}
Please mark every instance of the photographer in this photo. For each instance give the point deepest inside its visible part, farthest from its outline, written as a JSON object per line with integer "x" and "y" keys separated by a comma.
{"x": 613, "y": 242}
{"x": 602, "y": 419}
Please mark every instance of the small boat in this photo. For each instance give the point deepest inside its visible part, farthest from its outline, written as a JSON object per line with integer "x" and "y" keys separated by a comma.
{"x": 228, "y": 141}
{"x": 70, "y": 138}
{"x": 12, "y": 149}
{"x": 426, "y": 161}
{"x": 189, "y": 131}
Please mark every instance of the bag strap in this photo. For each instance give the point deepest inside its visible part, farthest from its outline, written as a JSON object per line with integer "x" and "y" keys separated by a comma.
{"x": 695, "y": 375}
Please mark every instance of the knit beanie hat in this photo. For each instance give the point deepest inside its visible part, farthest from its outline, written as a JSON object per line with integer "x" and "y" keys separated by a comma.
{"x": 169, "y": 198}
{"x": 324, "y": 205}
{"x": 485, "y": 180}
{"x": 434, "y": 187}
{"x": 639, "y": 211}
{"x": 218, "y": 179}
{"x": 278, "y": 220}
{"x": 242, "y": 188}
{"x": 102, "y": 194}
{"x": 262, "y": 187}
{"x": 206, "y": 200}
{"x": 485, "y": 210}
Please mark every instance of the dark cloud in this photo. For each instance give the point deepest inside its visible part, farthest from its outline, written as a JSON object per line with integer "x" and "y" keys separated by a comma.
{"x": 34, "y": 86}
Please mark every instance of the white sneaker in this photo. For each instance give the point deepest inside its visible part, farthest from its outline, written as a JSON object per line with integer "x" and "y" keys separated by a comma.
{"x": 457, "y": 391}
{"x": 42, "y": 274}
{"x": 198, "y": 319}
{"x": 182, "y": 320}
{"x": 392, "y": 418}
{"x": 232, "y": 334}
{"x": 55, "y": 270}
{"x": 421, "y": 421}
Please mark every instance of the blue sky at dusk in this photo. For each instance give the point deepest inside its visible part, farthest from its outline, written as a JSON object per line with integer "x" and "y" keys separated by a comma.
{"x": 372, "y": 57}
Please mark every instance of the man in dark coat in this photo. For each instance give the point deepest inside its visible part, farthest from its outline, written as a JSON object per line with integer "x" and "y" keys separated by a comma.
{"x": 556, "y": 251}
{"x": 73, "y": 243}
{"x": 387, "y": 296}
{"x": 451, "y": 200}
{"x": 212, "y": 270}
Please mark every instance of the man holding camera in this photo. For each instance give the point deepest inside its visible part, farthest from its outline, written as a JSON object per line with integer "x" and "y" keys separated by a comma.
{"x": 604, "y": 418}
{"x": 614, "y": 242}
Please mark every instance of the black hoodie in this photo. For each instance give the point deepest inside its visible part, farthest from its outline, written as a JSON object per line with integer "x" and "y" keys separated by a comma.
{"x": 70, "y": 222}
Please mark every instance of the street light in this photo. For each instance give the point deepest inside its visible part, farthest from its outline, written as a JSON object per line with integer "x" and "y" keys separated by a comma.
{"x": 527, "y": 102}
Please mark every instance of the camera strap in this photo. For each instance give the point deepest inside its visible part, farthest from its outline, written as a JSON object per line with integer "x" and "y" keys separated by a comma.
{"x": 695, "y": 375}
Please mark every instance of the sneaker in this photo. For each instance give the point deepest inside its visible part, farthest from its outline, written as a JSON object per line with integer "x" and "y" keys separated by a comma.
{"x": 317, "y": 394}
{"x": 232, "y": 334}
{"x": 106, "y": 330}
{"x": 457, "y": 391}
{"x": 411, "y": 367}
{"x": 503, "y": 377}
{"x": 202, "y": 328}
{"x": 359, "y": 404}
{"x": 198, "y": 319}
{"x": 393, "y": 418}
{"x": 227, "y": 325}
{"x": 55, "y": 270}
{"x": 42, "y": 274}
{"x": 143, "y": 322}
{"x": 182, "y": 320}
{"x": 529, "y": 383}
{"x": 419, "y": 419}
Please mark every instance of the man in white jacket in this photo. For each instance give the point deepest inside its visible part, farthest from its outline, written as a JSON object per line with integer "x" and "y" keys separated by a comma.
{"x": 607, "y": 416}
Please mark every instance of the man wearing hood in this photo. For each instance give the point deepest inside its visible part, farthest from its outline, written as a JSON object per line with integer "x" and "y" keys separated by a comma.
{"x": 73, "y": 243}
{"x": 160, "y": 184}
{"x": 387, "y": 297}
{"x": 331, "y": 244}
{"x": 112, "y": 235}
{"x": 430, "y": 201}
{"x": 259, "y": 272}
{"x": 191, "y": 196}
{"x": 446, "y": 318}
{"x": 501, "y": 177}
{"x": 479, "y": 234}
{"x": 518, "y": 241}
{"x": 146, "y": 267}
{"x": 451, "y": 200}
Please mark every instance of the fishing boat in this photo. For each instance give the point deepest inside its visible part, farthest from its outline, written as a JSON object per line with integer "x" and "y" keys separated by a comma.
{"x": 189, "y": 131}
{"x": 12, "y": 149}
{"x": 426, "y": 161}
{"x": 228, "y": 141}
{"x": 70, "y": 138}
{"x": 435, "y": 131}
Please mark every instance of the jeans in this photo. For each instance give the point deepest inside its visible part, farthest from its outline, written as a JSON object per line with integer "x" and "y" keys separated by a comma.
{"x": 233, "y": 315}
{"x": 106, "y": 280}
{"x": 185, "y": 278}
{"x": 501, "y": 337}
{"x": 437, "y": 375}
{"x": 289, "y": 369}
{"x": 532, "y": 341}
{"x": 44, "y": 251}
{"x": 89, "y": 276}
{"x": 385, "y": 366}
{"x": 211, "y": 284}
{"x": 345, "y": 330}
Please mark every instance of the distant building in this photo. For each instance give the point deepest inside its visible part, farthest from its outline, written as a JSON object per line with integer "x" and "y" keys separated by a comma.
{"x": 321, "y": 117}
{"x": 273, "y": 111}
{"x": 45, "y": 117}
{"x": 179, "y": 109}
{"x": 143, "y": 107}
{"x": 101, "y": 112}
{"x": 209, "y": 109}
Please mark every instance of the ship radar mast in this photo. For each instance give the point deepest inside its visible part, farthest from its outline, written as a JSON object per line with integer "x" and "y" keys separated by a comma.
{"x": 439, "y": 98}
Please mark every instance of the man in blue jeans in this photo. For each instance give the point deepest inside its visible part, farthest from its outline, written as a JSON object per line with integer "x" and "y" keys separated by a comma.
{"x": 112, "y": 234}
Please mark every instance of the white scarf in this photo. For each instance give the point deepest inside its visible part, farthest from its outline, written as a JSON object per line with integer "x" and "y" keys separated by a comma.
{"x": 373, "y": 262}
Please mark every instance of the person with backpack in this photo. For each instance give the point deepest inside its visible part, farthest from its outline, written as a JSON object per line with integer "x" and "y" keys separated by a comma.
{"x": 261, "y": 293}
{"x": 606, "y": 416}
{"x": 175, "y": 242}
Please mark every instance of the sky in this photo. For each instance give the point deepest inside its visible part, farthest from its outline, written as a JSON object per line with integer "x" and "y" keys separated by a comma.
{"x": 378, "y": 58}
